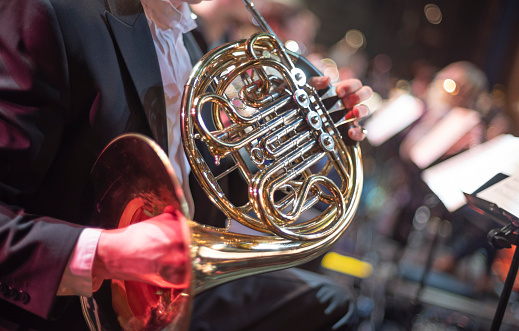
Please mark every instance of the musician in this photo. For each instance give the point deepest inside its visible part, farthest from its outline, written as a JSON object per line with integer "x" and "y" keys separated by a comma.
{"x": 73, "y": 76}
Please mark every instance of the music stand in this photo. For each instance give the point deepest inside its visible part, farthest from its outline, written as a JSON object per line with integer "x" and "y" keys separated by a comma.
{"x": 504, "y": 237}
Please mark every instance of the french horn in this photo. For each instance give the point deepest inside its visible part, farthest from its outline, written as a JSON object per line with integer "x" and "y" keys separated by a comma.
{"x": 249, "y": 104}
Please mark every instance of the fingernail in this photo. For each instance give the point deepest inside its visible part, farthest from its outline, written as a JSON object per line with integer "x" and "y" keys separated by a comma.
{"x": 354, "y": 134}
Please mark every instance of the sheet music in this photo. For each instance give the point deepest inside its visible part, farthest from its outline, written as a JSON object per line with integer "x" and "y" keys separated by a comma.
{"x": 393, "y": 118}
{"x": 505, "y": 194}
{"x": 469, "y": 170}
{"x": 448, "y": 131}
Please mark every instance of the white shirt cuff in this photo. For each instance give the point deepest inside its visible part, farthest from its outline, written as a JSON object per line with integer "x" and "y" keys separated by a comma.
{"x": 77, "y": 278}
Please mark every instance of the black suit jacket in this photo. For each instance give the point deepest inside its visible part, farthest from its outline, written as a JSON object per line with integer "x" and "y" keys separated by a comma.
{"x": 73, "y": 76}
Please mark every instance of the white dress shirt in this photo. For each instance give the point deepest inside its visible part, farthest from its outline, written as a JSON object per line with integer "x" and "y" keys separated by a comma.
{"x": 167, "y": 25}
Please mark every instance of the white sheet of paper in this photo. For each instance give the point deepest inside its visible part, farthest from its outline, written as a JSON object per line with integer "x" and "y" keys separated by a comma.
{"x": 393, "y": 118}
{"x": 469, "y": 170}
{"x": 448, "y": 131}
{"x": 505, "y": 194}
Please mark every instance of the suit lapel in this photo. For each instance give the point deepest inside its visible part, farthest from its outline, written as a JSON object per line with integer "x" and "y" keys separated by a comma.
{"x": 131, "y": 34}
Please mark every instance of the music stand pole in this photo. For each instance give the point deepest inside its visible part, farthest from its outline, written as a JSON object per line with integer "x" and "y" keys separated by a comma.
{"x": 507, "y": 289}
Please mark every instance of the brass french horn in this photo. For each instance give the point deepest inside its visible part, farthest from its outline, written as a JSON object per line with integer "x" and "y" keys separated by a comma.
{"x": 250, "y": 105}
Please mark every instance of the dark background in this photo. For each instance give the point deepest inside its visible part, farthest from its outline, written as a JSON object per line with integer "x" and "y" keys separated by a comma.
{"x": 479, "y": 31}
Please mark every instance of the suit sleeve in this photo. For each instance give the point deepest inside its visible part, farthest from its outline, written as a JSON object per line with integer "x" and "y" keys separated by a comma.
{"x": 34, "y": 250}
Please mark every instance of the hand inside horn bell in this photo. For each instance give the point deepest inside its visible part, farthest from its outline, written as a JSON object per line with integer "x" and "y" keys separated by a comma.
{"x": 153, "y": 251}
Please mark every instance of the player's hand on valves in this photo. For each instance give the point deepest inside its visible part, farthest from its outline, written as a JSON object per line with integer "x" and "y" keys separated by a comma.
{"x": 351, "y": 92}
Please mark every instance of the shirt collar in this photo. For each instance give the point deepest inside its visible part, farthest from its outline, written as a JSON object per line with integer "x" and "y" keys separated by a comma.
{"x": 166, "y": 16}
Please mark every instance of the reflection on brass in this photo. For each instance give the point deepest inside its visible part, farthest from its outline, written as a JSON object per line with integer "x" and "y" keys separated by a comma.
{"x": 250, "y": 106}
{"x": 134, "y": 181}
